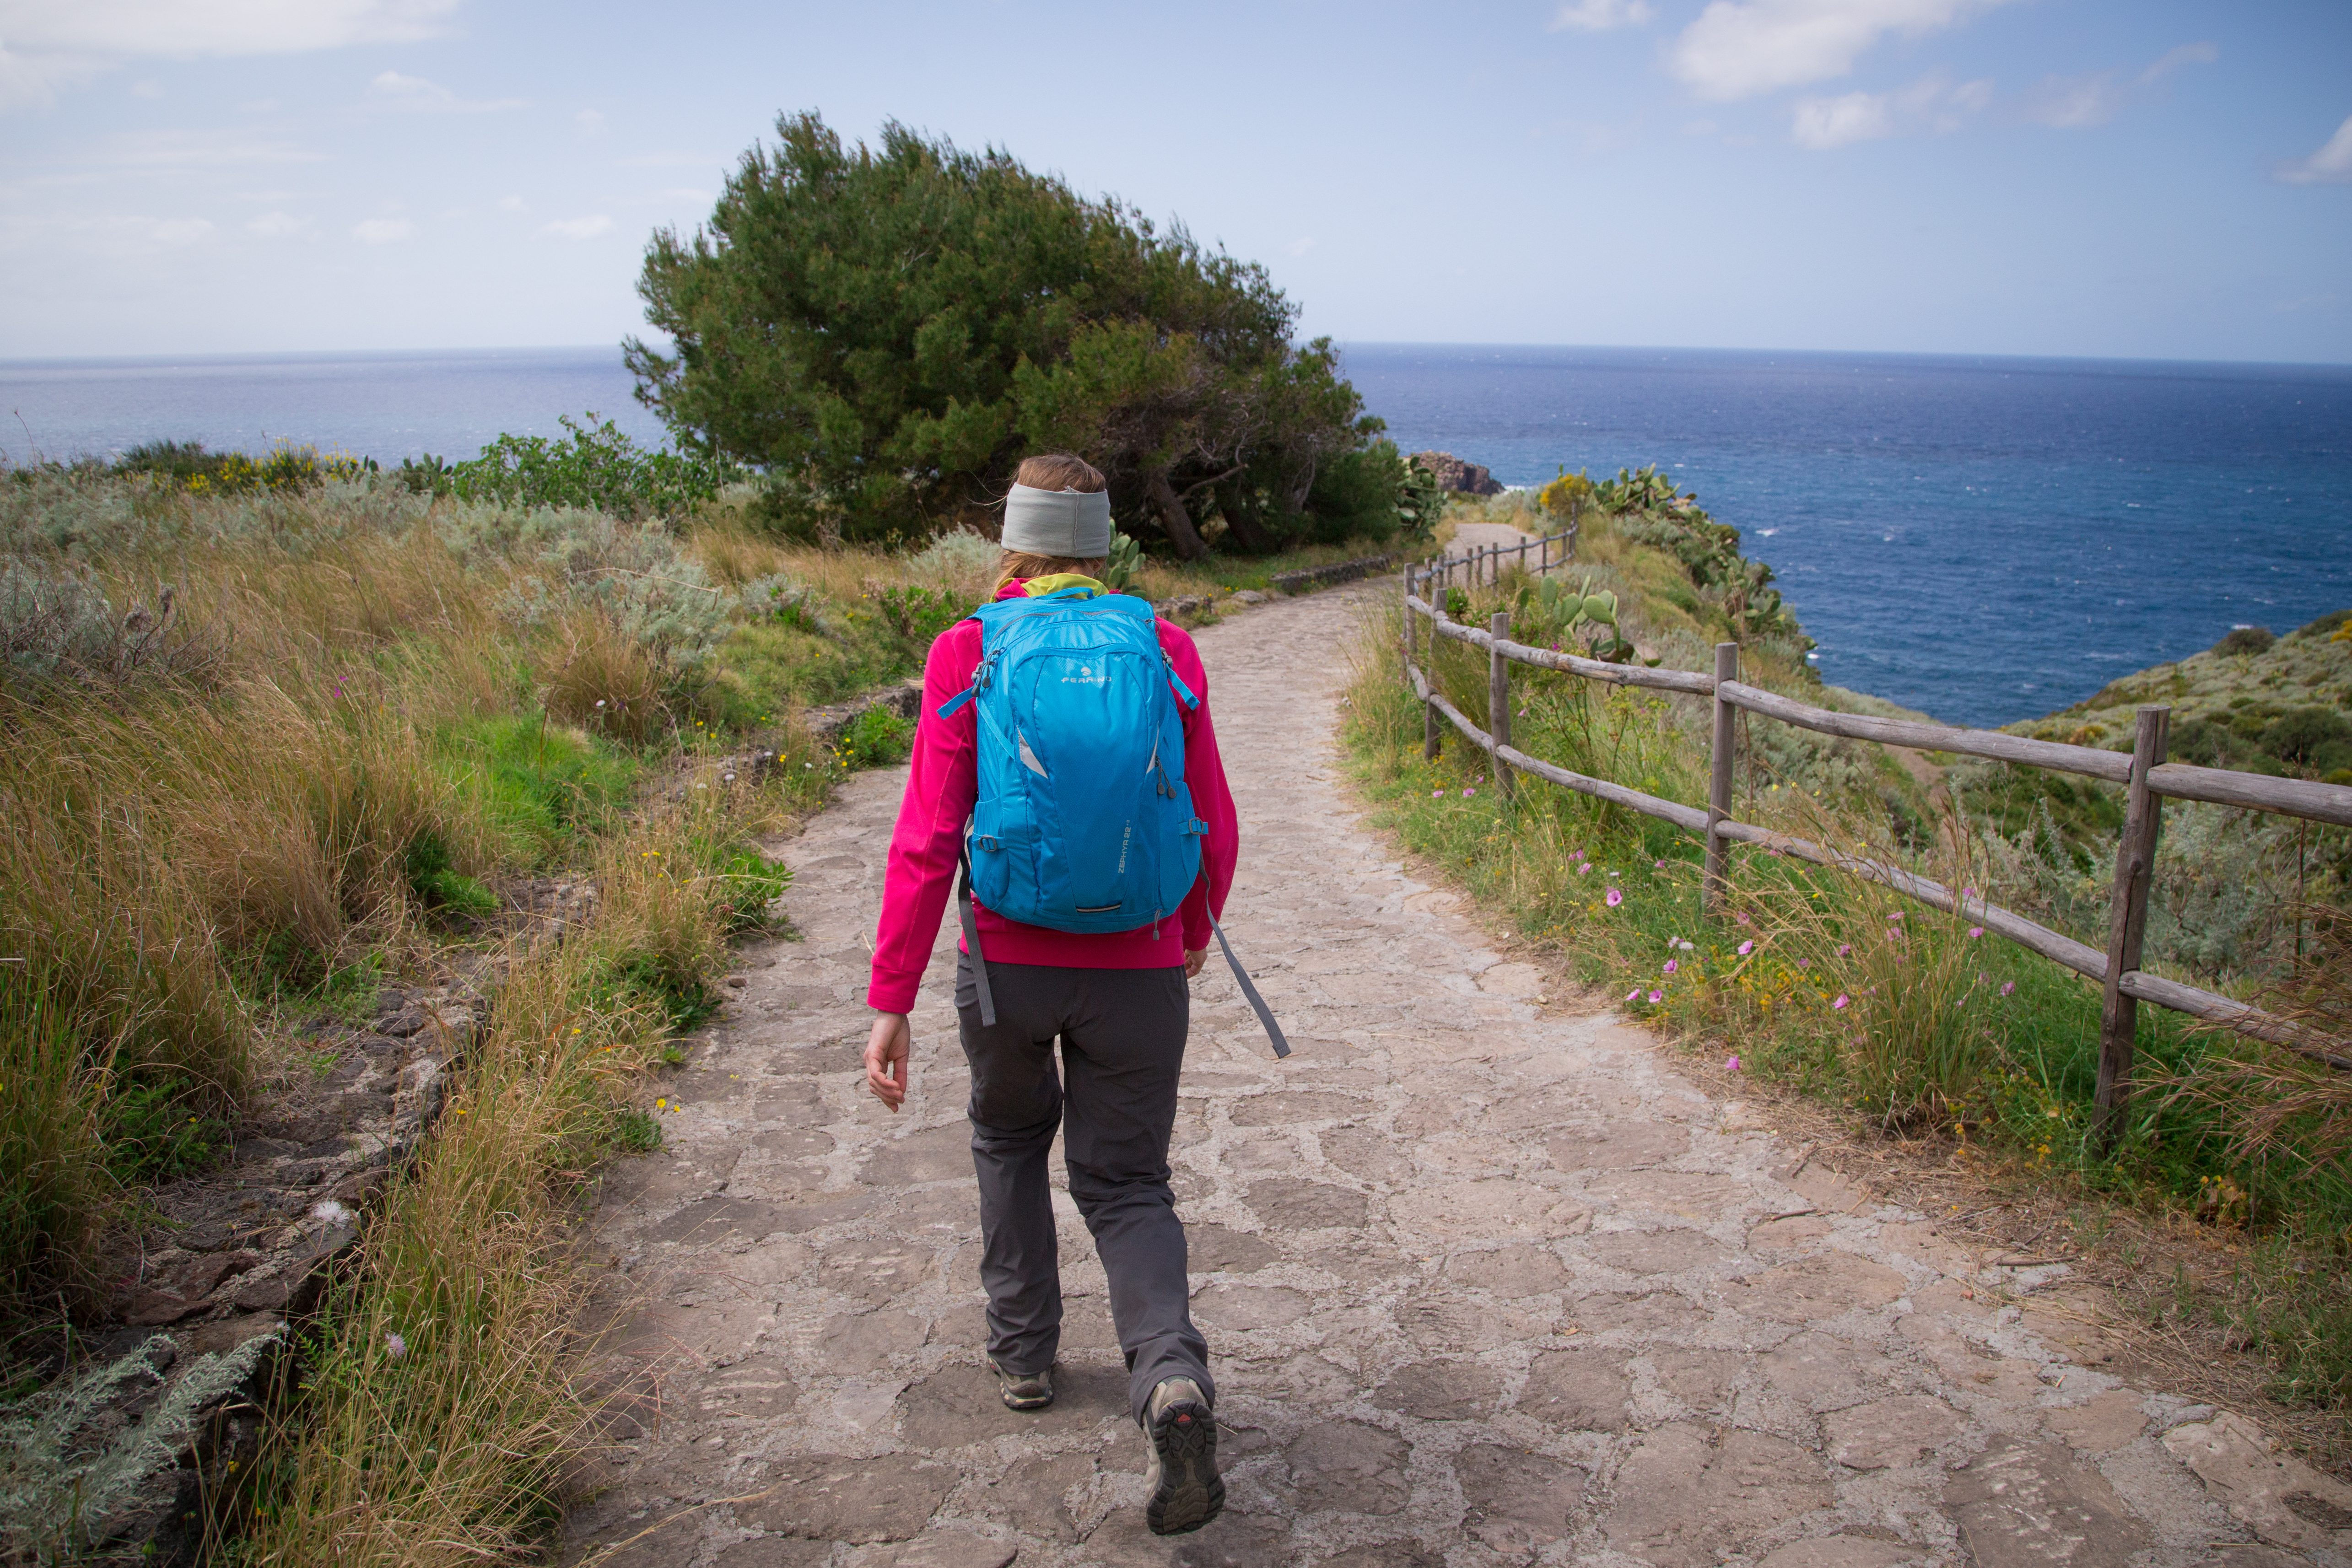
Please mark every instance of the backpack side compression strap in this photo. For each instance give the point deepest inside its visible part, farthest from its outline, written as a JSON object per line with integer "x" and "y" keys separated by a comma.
{"x": 1265, "y": 1014}
{"x": 964, "y": 908}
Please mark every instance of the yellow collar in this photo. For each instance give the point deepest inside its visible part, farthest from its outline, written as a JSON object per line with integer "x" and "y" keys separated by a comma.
{"x": 1036, "y": 587}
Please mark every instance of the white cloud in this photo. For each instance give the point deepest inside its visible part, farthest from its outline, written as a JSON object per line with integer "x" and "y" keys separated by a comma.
{"x": 2331, "y": 165}
{"x": 2173, "y": 59}
{"x": 50, "y": 45}
{"x": 588, "y": 122}
{"x": 512, "y": 205}
{"x": 686, "y": 194}
{"x": 1299, "y": 247}
{"x": 277, "y": 225}
{"x": 1701, "y": 128}
{"x": 2069, "y": 103}
{"x": 1929, "y": 104}
{"x": 390, "y": 90}
{"x": 146, "y": 89}
{"x": 34, "y": 81}
{"x": 383, "y": 231}
{"x": 1737, "y": 48}
{"x": 1599, "y": 15}
{"x": 190, "y": 27}
{"x": 183, "y": 231}
{"x": 578, "y": 228}
{"x": 201, "y": 149}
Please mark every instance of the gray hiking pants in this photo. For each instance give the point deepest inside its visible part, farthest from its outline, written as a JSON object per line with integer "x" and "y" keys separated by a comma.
{"x": 1122, "y": 1035}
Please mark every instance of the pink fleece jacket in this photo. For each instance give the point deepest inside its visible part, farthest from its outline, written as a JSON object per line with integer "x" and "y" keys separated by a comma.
{"x": 941, "y": 784}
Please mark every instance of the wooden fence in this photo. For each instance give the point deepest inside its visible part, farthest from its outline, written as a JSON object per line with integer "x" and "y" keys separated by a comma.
{"x": 2147, "y": 776}
{"x": 1485, "y": 564}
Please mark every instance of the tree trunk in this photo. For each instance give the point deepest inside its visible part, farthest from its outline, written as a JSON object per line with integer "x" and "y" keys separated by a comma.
{"x": 1174, "y": 518}
{"x": 1244, "y": 528}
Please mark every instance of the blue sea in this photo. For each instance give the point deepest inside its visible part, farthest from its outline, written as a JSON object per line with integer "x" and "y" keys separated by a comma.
{"x": 1986, "y": 540}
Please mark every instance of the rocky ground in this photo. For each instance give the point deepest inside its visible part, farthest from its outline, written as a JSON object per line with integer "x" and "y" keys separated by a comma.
{"x": 1486, "y": 1280}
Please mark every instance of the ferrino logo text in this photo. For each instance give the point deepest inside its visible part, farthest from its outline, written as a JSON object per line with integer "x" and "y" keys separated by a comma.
{"x": 1087, "y": 675}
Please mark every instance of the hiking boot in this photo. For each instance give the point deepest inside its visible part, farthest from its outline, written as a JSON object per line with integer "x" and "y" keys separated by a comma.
{"x": 1186, "y": 1490}
{"x": 1025, "y": 1390}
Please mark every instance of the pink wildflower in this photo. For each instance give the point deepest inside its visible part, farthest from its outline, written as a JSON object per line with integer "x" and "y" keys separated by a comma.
{"x": 1433, "y": 794}
{"x": 1467, "y": 793}
{"x": 1843, "y": 999}
{"x": 1732, "y": 1064}
{"x": 1845, "y": 949}
{"x": 1660, "y": 866}
{"x": 1634, "y": 995}
{"x": 1804, "y": 963}
{"x": 1976, "y": 930}
{"x": 1672, "y": 964}
{"x": 1585, "y": 870}
{"x": 395, "y": 1346}
{"x": 2006, "y": 987}
{"x": 1616, "y": 898}
{"x": 1746, "y": 949}
{"x": 1896, "y": 915}
{"x": 1657, "y": 996}
{"x": 1744, "y": 921}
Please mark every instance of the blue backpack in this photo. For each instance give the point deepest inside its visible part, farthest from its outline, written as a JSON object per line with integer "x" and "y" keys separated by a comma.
{"x": 1083, "y": 822}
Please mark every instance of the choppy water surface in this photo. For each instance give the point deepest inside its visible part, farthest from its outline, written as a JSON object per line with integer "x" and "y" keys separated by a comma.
{"x": 1986, "y": 539}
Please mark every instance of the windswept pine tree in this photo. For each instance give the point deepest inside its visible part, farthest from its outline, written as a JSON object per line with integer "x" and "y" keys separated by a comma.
{"x": 886, "y": 330}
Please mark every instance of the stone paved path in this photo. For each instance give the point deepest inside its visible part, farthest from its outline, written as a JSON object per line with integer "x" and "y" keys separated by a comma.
{"x": 1485, "y": 1280}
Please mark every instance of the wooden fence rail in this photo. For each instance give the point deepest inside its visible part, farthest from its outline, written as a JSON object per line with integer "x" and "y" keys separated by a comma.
{"x": 2146, "y": 776}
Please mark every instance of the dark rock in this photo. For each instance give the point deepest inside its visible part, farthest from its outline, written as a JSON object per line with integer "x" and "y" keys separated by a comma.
{"x": 1454, "y": 474}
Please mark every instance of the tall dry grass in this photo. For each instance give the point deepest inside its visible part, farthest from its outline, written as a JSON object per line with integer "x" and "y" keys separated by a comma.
{"x": 189, "y": 839}
{"x": 445, "y": 1404}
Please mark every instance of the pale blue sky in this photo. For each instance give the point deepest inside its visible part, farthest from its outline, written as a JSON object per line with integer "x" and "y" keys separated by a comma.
{"x": 2032, "y": 176}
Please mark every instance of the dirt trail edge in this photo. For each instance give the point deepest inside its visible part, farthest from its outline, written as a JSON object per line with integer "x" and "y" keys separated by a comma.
{"x": 1485, "y": 1280}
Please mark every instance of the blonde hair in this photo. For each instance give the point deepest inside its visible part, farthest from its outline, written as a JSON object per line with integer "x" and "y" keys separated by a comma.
{"x": 1051, "y": 471}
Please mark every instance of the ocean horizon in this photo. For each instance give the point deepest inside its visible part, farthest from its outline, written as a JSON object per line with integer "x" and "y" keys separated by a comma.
{"x": 1982, "y": 538}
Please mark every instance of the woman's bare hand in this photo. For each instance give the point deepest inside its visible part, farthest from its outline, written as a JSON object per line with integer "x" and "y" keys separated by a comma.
{"x": 885, "y": 1058}
{"x": 1193, "y": 962}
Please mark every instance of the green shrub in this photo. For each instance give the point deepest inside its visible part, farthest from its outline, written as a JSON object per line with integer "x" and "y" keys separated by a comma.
{"x": 878, "y": 737}
{"x": 637, "y": 1132}
{"x": 438, "y": 885}
{"x": 2246, "y": 640}
{"x": 780, "y": 599}
{"x": 917, "y": 615}
{"x": 188, "y": 464}
{"x": 157, "y": 1129}
{"x": 2317, "y": 738}
{"x": 594, "y": 468}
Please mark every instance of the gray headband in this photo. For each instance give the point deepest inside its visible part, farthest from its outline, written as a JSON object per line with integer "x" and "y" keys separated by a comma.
{"x": 1072, "y": 523}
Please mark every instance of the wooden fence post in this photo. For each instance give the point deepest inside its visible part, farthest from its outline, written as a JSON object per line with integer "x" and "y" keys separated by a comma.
{"x": 1429, "y": 716}
{"x": 1523, "y": 555}
{"x": 1498, "y": 701}
{"x": 2128, "y": 923}
{"x": 1715, "y": 885}
{"x": 1410, "y": 633}
{"x": 1575, "y": 517}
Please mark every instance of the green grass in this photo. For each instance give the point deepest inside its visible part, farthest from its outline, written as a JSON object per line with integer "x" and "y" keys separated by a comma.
{"x": 541, "y": 786}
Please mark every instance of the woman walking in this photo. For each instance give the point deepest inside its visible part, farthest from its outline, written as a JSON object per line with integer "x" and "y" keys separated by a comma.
{"x": 1066, "y": 761}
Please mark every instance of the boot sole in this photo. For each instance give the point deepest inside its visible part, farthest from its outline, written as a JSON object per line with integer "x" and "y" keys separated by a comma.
{"x": 1191, "y": 1493}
